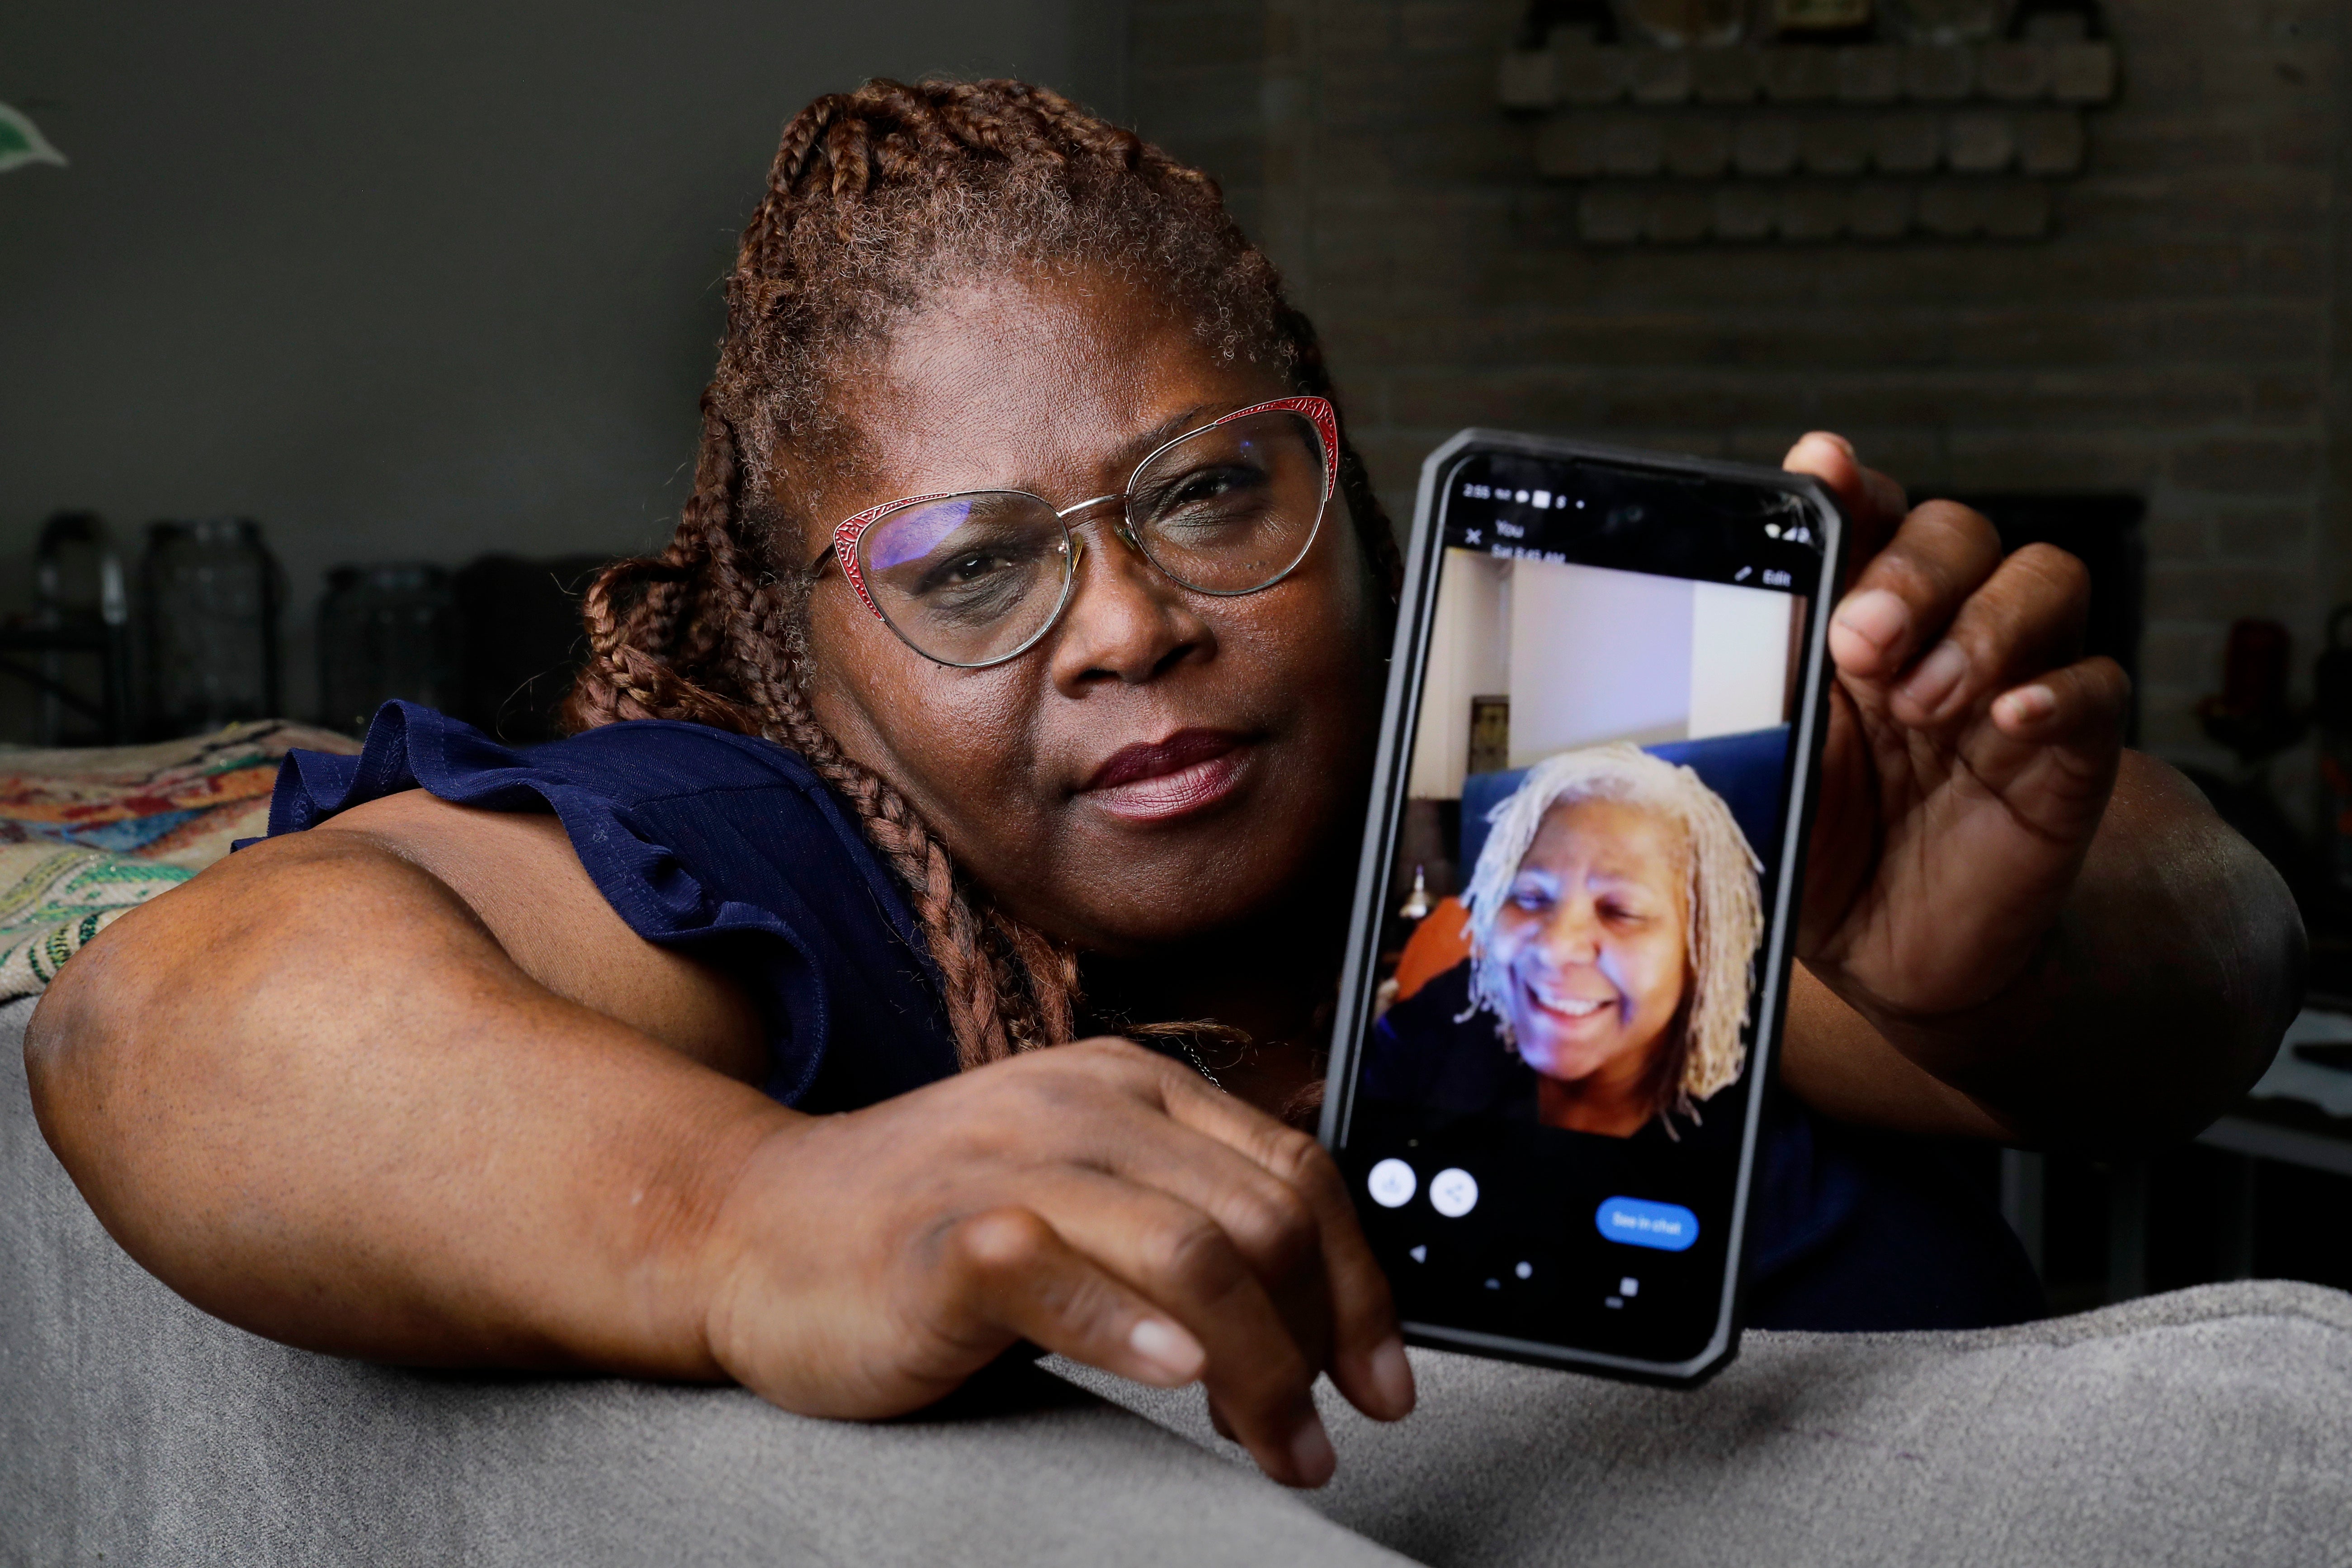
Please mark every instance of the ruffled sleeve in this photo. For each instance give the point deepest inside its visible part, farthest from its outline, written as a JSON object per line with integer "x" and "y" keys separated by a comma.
{"x": 723, "y": 845}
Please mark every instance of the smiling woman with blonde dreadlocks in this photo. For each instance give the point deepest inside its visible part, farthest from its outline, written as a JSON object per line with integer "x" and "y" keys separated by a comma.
{"x": 782, "y": 1025}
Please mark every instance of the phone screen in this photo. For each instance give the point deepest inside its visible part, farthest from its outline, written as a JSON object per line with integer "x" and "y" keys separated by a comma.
{"x": 1570, "y": 930}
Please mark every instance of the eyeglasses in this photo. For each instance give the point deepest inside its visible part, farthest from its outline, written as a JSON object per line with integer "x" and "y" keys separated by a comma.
{"x": 976, "y": 578}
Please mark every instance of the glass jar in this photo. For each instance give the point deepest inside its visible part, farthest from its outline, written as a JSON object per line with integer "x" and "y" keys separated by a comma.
{"x": 81, "y": 613}
{"x": 211, "y": 591}
{"x": 384, "y": 632}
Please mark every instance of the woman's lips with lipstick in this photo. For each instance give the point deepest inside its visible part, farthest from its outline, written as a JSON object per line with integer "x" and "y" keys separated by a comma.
{"x": 1155, "y": 780}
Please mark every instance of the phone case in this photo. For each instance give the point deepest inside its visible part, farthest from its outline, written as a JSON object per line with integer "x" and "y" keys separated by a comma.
{"x": 1398, "y": 724}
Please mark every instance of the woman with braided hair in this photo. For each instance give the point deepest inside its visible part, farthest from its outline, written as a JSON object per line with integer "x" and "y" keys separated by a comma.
{"x": 876, "y": 199}
{"x": 1010, "y": 684}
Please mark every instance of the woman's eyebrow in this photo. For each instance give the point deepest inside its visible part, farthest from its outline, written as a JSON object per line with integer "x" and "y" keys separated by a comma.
{"x": 1617, "y": 876}
{"x": 1145, "y": 442}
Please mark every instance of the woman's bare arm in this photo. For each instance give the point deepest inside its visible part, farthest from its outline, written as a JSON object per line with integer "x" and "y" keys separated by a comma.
{"x": 403, "y": 1087}
{"x": 314, "y": 1092}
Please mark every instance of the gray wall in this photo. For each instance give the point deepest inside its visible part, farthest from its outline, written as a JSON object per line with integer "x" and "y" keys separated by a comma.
{"x": 411, "y": 281}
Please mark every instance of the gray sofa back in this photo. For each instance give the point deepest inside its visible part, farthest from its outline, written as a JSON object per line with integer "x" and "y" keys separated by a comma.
{"x": 2208, "y": 1426}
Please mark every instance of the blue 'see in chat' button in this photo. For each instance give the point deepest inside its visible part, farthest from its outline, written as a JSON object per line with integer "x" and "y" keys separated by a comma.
{"x": 1637, "y": 1222}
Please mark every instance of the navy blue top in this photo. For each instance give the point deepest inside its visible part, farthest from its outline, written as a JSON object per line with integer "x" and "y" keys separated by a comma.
{"x": 721, "y": 844}
{"x": 733, "y": 849}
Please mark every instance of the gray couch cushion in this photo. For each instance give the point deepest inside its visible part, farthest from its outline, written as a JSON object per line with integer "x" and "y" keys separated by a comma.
{"x": 2209, "y": 1426}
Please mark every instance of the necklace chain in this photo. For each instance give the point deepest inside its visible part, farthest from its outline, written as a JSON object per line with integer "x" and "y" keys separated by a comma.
{"x": 1198, "y": 1065}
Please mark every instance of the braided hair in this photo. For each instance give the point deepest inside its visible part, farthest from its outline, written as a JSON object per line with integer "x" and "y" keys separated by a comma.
{"x": 877, "y": 199}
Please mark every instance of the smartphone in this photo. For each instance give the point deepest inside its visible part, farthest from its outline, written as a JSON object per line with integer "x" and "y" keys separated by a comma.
{"x": 1569, "y": 953}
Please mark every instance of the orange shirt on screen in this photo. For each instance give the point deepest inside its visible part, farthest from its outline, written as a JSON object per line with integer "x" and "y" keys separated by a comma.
{"x": 1439, "y": 943}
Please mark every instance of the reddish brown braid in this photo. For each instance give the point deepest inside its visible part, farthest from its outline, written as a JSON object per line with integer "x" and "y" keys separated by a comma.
{"x": 878, "y": 198}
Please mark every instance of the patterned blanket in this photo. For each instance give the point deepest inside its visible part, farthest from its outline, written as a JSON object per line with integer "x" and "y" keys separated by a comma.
{"x": 87, "y": 834}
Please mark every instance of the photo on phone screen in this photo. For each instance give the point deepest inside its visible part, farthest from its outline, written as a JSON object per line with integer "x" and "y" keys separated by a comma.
{"x": 1569, "y": 945}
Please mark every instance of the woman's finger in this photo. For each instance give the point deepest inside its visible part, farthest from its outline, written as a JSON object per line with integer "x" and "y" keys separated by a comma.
{"x": 1207, "y": 1157}
{"x": 1908, "y": 592}
{"x": 2081, "y": 705}
{"x": 1282, "y": 1200}
{"x": 1874, "y": 504}
{"x": 2062, "y": 741}
{"x": 1182, "y": 1261}
{"x": 1009, "y": 1268}
{"x": 2027, "y": 618}
{"x": 1368, "y": 1360}
{"x": 1271, "y": 1222}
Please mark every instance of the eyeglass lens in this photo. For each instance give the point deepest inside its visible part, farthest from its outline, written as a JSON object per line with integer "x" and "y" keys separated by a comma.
{"x": 974, "y": 578}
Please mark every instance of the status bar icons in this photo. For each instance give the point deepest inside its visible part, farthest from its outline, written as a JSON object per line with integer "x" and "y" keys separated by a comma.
{"x": 1542, "y": 501}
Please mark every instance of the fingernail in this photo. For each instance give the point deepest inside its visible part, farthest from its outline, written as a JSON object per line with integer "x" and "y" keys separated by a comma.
{"x": 1840, "y": 442}
{"x": 1168, "y": 1349}
{"x": 1392, "y": 1376}
{"x": 1878, "y": 618}
{"x": 1310, "y": 1452}
{"x": 2026, "y": 705}
{"x": 1937, "y": 674}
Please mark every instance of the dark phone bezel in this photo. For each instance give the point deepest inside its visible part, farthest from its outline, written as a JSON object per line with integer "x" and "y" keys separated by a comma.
{"x": 1400, "y": 721}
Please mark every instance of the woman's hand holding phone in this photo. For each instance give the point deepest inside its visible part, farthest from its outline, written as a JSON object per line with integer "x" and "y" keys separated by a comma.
{"x": 1096, "y": 1200}
{"x": 1971, "y": 761}
{"x": 1969, "y": 754}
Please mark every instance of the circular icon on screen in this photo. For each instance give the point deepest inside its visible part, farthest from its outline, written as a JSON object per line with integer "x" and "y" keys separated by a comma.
{"x": 1454, "y": 1192}
{"x": 1392, "y": 1183}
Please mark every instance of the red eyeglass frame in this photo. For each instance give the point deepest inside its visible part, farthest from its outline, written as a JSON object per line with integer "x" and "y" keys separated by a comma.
{"x": 1317, "y": 410}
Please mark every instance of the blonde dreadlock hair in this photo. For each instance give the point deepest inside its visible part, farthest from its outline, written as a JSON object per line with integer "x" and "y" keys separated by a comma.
{"x": 876, "y": 200}
{"x": 1722, "y": 895}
